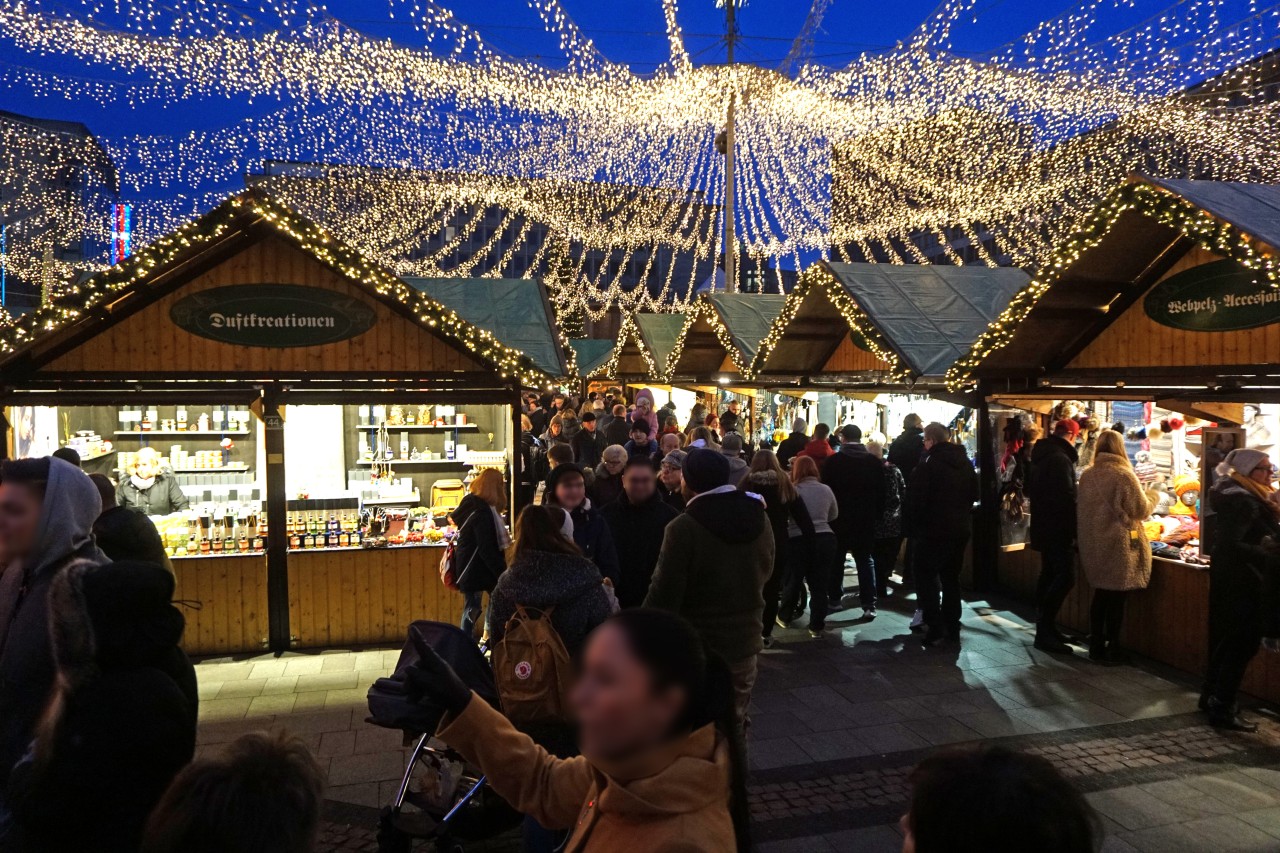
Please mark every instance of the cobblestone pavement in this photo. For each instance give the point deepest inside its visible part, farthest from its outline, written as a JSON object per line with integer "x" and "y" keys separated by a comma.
{"x": 838, "y": 723}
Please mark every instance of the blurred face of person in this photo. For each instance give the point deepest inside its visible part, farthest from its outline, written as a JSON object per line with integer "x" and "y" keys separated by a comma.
{"x": 639, "y": 482}
{"x": 614, "y": 466}
{"x": 146, "y": 466}
{"x": 1263, "y": 472}
{"x": 929, "y": 443}
{"x": 589, "y": 426}
{"x": 571, "y": 491}
{"x": 640, "y": 436}
{"x": 712, "y": 421}
{"x": 19, "y": 519}
{"x": 555, "y": 427}
{"x": 671, "y": 476}
{"x": 619, "y": 712}
{"x": 669, "y": 442}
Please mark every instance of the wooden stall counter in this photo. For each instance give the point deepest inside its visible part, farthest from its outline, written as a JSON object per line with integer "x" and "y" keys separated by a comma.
{"x": 1168, "y": 621}
{"x": 359, "y": 596}
{"x": 231, "y": 593}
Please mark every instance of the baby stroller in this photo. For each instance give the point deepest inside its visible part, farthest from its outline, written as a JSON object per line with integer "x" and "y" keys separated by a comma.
{"x": 451, "y": 803}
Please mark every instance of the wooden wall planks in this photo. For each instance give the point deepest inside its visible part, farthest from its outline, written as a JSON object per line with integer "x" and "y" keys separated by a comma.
{"x": 232, "y": 592}
{"x": 1167, "y": 622}
{"x": 149, "y": 340}
{"x": 1134, "y": 340}
{"x": 343, "y": 598}
{"x": 849, "y": 358}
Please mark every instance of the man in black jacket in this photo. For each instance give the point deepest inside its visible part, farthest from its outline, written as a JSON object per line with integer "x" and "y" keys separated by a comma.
{"x": 907, "y": 449}
{"x": 939, "y": 506}
{"x": 150, "y": 490}
{"x": 617, "y": 430}
{"x": 1051, "y": 488}
{"x": 589, "y": 442}
{"x": 638, "y": 519}
{"x": 857, "y": 479}
{"x": 794, "y": 443}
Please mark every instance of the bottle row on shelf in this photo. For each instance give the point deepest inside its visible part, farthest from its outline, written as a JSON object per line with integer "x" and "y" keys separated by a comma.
{"x": 212, "y": 531}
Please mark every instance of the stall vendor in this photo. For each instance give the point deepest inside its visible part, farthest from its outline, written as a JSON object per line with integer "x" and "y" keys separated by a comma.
{"x": 148, "y": 489}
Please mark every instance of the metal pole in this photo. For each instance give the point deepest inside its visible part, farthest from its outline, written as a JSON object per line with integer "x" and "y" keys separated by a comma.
{"x": 730, "y": 233}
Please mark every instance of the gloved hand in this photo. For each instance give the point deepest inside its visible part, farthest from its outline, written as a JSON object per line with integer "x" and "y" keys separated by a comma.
{"x": 436, "y": 680}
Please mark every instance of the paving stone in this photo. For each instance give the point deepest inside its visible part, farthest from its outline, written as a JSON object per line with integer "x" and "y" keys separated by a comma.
{"x": 942, "y": 730}
{"x": 1135, "y": 809}
{"x": 870, "y": 839}
{"x": 1267, "y": 820}
{"x": 327, "y": 681}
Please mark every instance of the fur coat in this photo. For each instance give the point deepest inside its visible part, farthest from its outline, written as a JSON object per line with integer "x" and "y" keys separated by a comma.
{"x": 1114, "y": 550}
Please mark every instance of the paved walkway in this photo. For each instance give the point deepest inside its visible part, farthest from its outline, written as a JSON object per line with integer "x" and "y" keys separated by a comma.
{"x": 838, "y": 723}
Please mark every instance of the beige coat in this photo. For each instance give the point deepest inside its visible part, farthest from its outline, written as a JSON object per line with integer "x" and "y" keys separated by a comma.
{"x": 1112, "y": 505}
{"x": 673, "y": 801}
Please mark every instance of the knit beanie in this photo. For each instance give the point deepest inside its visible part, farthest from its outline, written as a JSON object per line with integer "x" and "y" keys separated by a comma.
{"x": 557, "y": 474}
{"x": 1243, "y": 460}
{"x": 705, "y": 470}
{"x": 675, "y": 459}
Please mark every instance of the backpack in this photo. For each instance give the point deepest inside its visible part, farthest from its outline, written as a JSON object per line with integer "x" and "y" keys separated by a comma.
{"x": 532, "y": 669}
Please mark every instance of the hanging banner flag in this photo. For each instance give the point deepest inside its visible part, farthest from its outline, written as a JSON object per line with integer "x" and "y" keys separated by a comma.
{"x": 121, "y": 232}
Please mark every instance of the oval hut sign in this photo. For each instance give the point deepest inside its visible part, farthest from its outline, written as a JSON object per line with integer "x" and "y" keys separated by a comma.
{"x": 272, "y": 315}
{"x": 1221, "y": 296}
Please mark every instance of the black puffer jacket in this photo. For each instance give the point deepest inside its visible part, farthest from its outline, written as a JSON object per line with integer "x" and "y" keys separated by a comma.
{"x": 765, "y": 484}
{"x": 477, "y": 556}
{"x": 540, "y": 579}
{"x": 941, "y": 494}
{"x": 164, "y": 496}
{"x": 129, "y": 720}
{"x": 906, "y": 451}
{"x": 857, "y": 479}
{"x": 637, "y": 536}
{"x": 790, "y": 446}
{"x": 1243, "y": 575}
{"x": 1051, "y": 487}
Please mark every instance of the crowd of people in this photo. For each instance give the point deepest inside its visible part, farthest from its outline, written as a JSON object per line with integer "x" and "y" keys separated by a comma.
{"x": 658, "y": 560}
{"x": 665, "y": 560}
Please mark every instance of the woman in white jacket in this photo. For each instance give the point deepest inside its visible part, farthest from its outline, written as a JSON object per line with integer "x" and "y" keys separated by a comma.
{"x": 1114, "y": 550}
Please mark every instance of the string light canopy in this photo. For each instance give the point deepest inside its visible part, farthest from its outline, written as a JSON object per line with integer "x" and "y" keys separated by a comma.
{"x": 1020, "y": 140}
{"x": 98, "y": 294}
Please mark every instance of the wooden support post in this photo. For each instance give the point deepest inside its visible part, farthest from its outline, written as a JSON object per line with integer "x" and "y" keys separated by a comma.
{"x": 278, "y": 633}
{"x": 986, "y": 538}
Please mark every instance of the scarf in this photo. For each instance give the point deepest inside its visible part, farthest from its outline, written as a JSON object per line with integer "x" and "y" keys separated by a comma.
{"x": 141, "y": 484}
{"x": 1259, "y": 491}
{"x": 504, "y": 538}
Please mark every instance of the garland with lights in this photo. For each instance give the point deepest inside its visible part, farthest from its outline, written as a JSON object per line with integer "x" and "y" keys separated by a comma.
{"x": 1146, "y": 199}
{"x": 85, "y": 298}
{"x": 630, "y": 334}
{"x": 704, "y": 309}
{"x": 821, "y": 277}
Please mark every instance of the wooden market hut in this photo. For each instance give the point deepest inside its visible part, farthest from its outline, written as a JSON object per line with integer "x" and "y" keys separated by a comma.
{"x": 174, "y": 324}
{"x": 720, "y": 335}
{"x": 881, "y": 327}
{"x": 644, "y": 344}
{"x": 1168, "y": 294}
{"x": 590, "y": 356}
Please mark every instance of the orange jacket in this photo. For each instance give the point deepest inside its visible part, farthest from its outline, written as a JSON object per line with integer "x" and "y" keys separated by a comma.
{"x": 675, "y": 800}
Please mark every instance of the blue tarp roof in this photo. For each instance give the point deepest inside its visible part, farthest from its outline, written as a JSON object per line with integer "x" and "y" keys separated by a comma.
{"x": 513, "y": 310}
{"x": 748, "y": 317}
{"x": 1253, "y": 208}
{"x": 591, "y": 353}
{"x": 930, "y": 314}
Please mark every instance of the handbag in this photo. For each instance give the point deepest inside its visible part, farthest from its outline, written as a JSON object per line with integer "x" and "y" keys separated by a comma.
{"x": 449, "y": 573}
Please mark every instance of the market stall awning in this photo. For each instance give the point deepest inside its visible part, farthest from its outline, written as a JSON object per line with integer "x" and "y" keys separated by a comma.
{"x": 253, "y": 289}
{"x": 645, "y": 341}
{"x": 1170, "y": 285}
{"x": 515, "y": 310}
{"x": 880, "y": 325}
{"x": 705, "y": 350}
{"x": 929, "y": 314}
{"x": 591, "y": 355}
{"x": 747, "y": 317}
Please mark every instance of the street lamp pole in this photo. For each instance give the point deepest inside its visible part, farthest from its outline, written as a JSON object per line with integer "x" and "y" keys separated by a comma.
{"x": 730, "y": 232}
